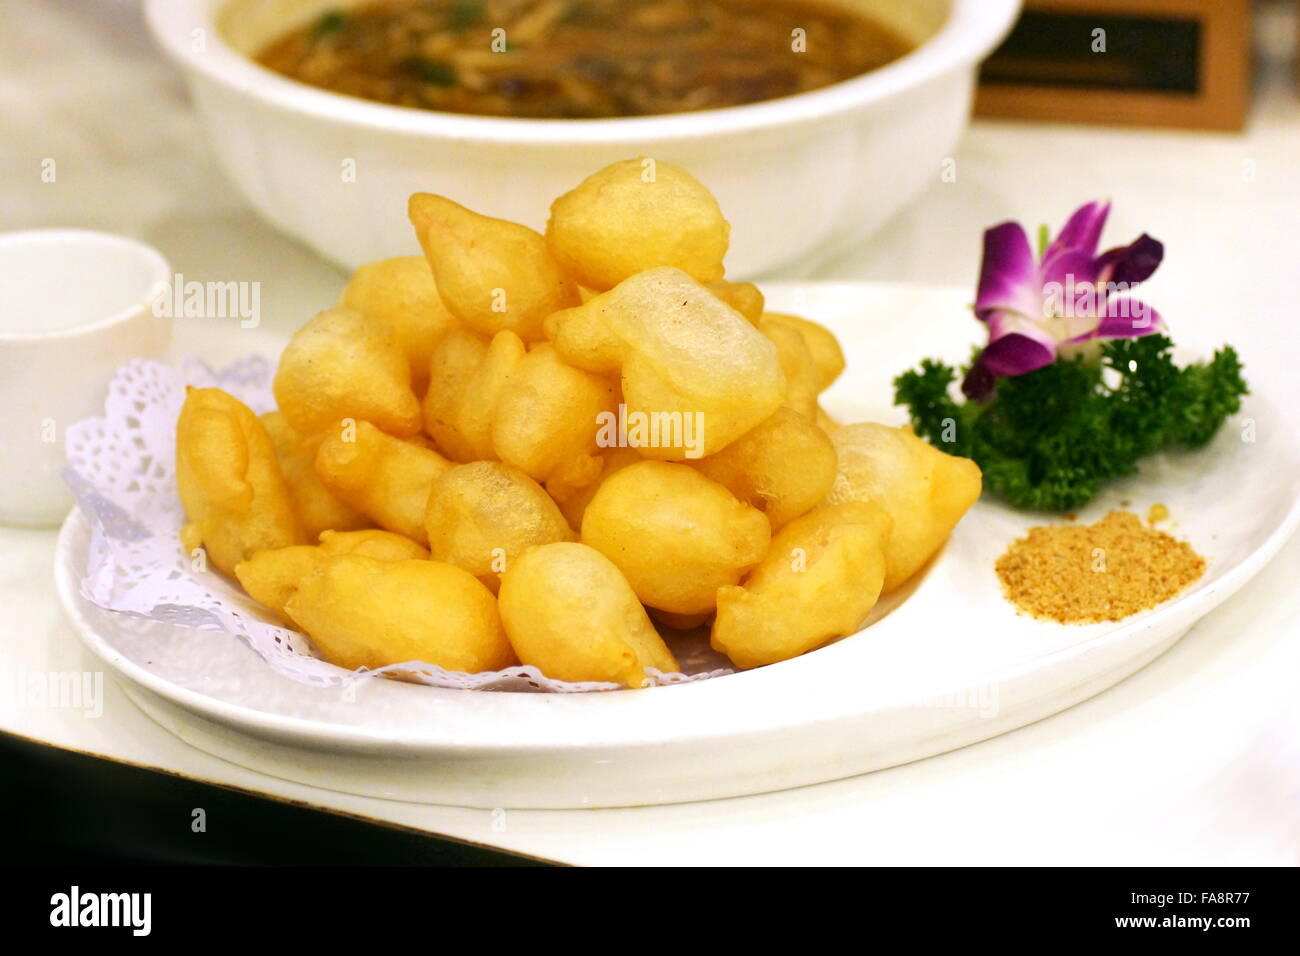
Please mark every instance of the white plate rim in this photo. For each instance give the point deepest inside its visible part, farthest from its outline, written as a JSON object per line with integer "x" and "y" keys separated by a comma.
{"x": 302, "y": 731}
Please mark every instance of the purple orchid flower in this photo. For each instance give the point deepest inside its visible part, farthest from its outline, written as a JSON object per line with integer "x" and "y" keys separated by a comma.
{"x": 1037, "y": 309}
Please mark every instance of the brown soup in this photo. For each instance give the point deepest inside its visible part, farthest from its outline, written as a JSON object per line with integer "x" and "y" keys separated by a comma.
{"x": 582, "y": 58}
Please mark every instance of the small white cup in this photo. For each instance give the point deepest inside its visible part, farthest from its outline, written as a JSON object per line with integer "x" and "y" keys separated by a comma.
{"x": 74, "y": 306}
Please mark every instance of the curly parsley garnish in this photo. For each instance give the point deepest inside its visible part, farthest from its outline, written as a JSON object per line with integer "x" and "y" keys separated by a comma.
{"x": 1049, "y": 439}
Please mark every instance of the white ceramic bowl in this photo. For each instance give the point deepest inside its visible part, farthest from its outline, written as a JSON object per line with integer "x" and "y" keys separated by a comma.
{"x": 799, "y": 177}
{"x": 74, "y": 305}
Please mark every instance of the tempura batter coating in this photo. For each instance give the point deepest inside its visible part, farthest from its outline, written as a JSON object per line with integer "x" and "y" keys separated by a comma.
{"x": 468, "y": 376}
{"x": 570, "y": 612}
{"x": 229, "y": 481}
{"x": 342, "y": 365}
{"x": 482, "y": 516}
{"x": 317, "y": 508}
{"x": 573, "y": 501}
{"x": 372, "y": 543}
{"x": 492, "y": 275}
{"x": 545, "y": 420}
{"x": 782, "y": 467}
{"x": 528, "y": 408}
{"x": 819, "y": 581}
{"x": 684, "y": 355}
{"x": 272, "y": 577}
{"x": 386, "y": 478}
{"x": 635, "y": 215}
{"x": 797, "y": 364}
{"x": 822, "y": 345}
{"x": 362, "y": 612}
{"x": 744, "y": 297}
{"x": 400, "y": 294}
{"x": 925, "y": 491}
{"x": 676, "y": 536}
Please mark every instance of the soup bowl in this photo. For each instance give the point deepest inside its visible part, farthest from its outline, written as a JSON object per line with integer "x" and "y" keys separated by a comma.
{"x": 801, "y": 177}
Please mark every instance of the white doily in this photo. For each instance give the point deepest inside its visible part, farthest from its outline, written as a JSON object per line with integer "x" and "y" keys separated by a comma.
{"x": 121, "y": 468}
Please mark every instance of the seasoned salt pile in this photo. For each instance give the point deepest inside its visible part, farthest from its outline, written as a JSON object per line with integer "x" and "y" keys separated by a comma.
{"x": 1079, "y": 574}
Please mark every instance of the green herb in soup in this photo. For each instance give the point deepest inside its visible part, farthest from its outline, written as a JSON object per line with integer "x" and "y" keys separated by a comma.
{"x": 582, "y": 58}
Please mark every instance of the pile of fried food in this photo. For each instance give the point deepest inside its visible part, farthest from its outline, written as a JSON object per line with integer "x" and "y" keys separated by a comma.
{"x": 526, "y": 448}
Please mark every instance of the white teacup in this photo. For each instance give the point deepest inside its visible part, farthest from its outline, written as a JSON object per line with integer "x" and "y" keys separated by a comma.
{"x": 74, "y": 305}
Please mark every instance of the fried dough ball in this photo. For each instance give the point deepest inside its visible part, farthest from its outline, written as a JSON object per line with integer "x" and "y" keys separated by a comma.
{"x": 923, "y": 489}
{"x": 286, "y": 441}
{"x": 800, "y": 370}
{"x": 545, "y": 420}
{"x": 318, "y": 508}
{"x": 496, "y": 401}
{"x": 573, "y": 501}
{"x": 676, "y": 535}
{"x": 385, "y": 478}
{"x": 744, "y": 297}
{"x": 400, "y": 294}
{"x": 373, "y": 543}
{"x": 825, "y": 422}
{"x": 481, "y": 516}
{"x": 421, "y": 441}
{"x": 692, "y": 368}
{"x": 492, "y": 275}
{"x": 451, "y": 367}
{"x": 467, "y": 377}
{"x": 570, "y": 612}
{"x": 635, "y": 215}
{"x": 819, "y": 581}
{"x": 229, "y": 481}
{"x": 363, "y": 612}
{"x": 272, "y": 576}
{"x": 822, "y": 345}
{"x": 343, "y": 365}
{"x": 783, "y": 467}
{"x": 315, "y": 505}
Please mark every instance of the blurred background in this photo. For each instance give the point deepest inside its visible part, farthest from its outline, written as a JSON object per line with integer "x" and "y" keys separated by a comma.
{"x": 1190, "y": 125}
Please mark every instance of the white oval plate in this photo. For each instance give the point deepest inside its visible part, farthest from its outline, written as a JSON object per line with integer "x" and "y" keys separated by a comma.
{"x": 951, "y": 665}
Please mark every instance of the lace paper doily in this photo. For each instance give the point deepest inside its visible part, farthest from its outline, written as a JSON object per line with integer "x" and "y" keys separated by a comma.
{"x": 121, "y": 468}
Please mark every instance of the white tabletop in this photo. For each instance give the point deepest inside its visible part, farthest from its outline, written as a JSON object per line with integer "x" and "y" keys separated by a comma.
{"x": 1195, "y": 759}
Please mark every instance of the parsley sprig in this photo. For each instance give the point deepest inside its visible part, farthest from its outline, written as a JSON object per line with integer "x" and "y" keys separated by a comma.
{"x": 1050, "y": 439}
